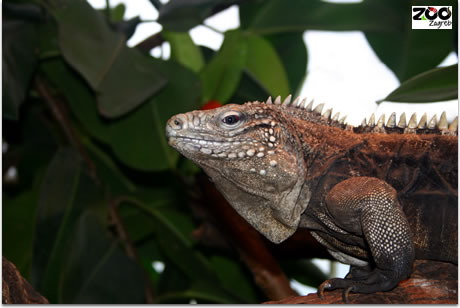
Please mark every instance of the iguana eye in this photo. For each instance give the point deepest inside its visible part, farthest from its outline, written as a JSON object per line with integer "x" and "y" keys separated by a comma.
{"x": 231, "y": 119}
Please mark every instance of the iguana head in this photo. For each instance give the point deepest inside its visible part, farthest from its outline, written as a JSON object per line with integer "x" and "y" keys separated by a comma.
{"x": 254, "y": 157}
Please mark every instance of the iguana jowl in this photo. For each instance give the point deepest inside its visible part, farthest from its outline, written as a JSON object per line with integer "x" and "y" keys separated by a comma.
{"x": 377, "y": 196}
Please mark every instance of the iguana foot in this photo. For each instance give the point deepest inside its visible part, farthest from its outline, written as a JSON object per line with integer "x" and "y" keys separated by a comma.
{"x": 375, "y": 281}
{"x": 358, "y": 272}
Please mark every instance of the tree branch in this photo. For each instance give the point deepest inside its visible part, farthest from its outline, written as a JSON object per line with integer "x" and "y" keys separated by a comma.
{"x": 432, "y": 282}
{"x": 17, "y": 290}
{"x": 57, "y": 107}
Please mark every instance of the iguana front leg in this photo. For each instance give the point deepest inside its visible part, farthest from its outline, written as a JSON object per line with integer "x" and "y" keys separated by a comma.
{"x": 368, "y": 207}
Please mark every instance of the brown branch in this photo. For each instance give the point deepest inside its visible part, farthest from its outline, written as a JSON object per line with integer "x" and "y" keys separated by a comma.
{"x": 431, "y": 282}
{"x": 150, "y": 42}
{"x": 129, "y": 246}
{"x": 58, "y": 109}
{"x": 17, "y": 290}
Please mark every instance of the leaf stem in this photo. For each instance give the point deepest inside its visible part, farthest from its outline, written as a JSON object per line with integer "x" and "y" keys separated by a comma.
{"x": 212, "y": 28}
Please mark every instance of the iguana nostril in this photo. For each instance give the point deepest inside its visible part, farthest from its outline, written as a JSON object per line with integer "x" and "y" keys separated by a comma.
{"x": 178, "y": 122}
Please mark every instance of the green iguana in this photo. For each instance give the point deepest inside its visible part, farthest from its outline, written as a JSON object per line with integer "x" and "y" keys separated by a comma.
{"x": 377, "y": 196}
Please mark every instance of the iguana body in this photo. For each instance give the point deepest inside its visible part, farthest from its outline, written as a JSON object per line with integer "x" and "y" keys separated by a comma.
{"x": 377, "y": 196}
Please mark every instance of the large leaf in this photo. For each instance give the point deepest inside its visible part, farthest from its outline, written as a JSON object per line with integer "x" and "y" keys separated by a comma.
{"x": 97, "y": 271}
{"x": 264, "y": 63}
{"x": 269, "y": 17}
{"x": 409, "y": 52}
{"x": 18, "y": 63}
{"x": 249, "y": 89}
{"x": 54, "y": 214}
{"x": 18, "y": 228}
{"x": 182, "y": 15}
{"x": 438, "y": 84}
{"x": 123, "y": 77}
{"x": 235, "y": 277}
{"x": 138, "y": 139}
{"x": 184, "y": 50}
{"x": 66, "y": 243}
{"x": 248, "y": 53}
{"x": 292, "y": 51}
{"x": 221, "y": 75}
{"x": 79, "y": 97}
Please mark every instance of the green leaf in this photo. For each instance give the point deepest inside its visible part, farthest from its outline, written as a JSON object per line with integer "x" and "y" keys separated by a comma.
{"x": 292, "y": 52}
{"x": 264, "y": 63}
{"x": 65, "y": 191}
{"x": 123, "y": 77}
{"x": 18, "y": 228}
{"x": 221, "y": 76}
{"x": 74, "y": 256}
{"x": 79, "y": 97}
{"x": 138, "y": 139}
{"x": 117, "y": 12}
{"x": 182, "y": 15}
{"x": 54, "y": 214}
{"x": 96, "y": 271}
{"x": 249, "y": 89}
{"x": 19, "y": 60}
{"x": 438, "y": 84}
{"x": 235, "y": 278}
{"x": 269, "y": 17}
{"x": 184, "y": 50}
{"x": 421, "y": 50}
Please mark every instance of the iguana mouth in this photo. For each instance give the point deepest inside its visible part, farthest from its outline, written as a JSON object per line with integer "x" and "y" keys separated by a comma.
{"x": 200, "y": 141}
{"x": 215, "y": 148}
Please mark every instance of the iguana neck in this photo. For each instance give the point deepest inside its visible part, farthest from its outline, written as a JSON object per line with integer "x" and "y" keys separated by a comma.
{"x": 322, "y": 143}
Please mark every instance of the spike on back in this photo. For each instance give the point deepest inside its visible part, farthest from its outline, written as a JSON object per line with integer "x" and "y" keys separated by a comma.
{"x": 402, "y": 121}
{"x": 392, "y": 120}
{"x": 381, "y": 121}
{"x": 433, "y": 122}
{"x": 319, "y": 108}
{"x": 411, "y": 127}
{"x": 310, "y": 106}
{"x": 443, "y": 121}
{"x": 287, "y": 100}
{"x": 336, "y": 116}
{"x": 372, "y": 120}
{"x": 453, "y": 126}
{"x": 422, "y": 123}
{"x": 413, "y": 121}
{"x": 327, "y": 114}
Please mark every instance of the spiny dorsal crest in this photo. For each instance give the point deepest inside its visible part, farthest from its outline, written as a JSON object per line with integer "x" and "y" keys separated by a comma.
{"x": 421, "y": 127}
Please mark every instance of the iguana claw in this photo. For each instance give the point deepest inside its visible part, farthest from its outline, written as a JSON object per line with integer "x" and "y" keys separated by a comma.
{"x": 324, "y": 285}
{"x": 345, "y": 295}
{"x": 327, "y": 285}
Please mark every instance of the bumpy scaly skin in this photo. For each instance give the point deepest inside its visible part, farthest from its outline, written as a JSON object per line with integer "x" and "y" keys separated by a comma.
{"x": 377, "y": 196}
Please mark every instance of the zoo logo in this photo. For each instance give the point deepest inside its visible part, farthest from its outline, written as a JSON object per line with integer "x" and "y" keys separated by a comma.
{"x": 432, "y": 17}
